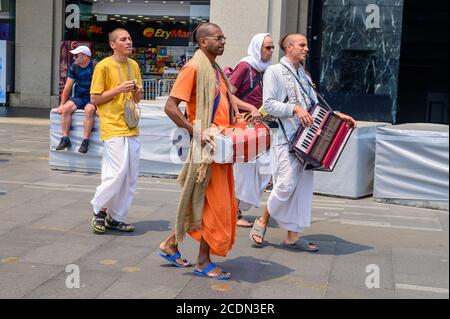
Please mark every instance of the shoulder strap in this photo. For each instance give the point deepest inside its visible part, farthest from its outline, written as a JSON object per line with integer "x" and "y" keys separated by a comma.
{"x": 217, "y": 99}
{"x": 306, "y": 92}
{"x": 281, "y": 123}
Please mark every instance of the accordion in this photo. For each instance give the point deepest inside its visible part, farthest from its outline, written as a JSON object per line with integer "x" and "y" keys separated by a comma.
{"x": 321, "y": 145}
{"x": 242, "y": 143}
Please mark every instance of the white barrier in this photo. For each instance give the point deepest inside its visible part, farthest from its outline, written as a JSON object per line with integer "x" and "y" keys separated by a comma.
{"x": 164, "y": 147}
{"x": 412, "y": 165}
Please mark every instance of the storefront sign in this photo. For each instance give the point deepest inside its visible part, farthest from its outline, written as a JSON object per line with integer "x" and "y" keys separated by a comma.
{"x": 143, "y": 34}
{"x": 166, "y": 34}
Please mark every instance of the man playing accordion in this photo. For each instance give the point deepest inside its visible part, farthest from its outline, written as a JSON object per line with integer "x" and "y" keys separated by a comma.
{"x": 288, "y": 94}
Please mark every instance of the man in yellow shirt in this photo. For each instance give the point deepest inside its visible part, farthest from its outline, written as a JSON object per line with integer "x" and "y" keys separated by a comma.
{"x": 116, "y": 78}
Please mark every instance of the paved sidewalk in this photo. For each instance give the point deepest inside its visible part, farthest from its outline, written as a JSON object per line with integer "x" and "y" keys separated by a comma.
{"x": 44, "y": 227}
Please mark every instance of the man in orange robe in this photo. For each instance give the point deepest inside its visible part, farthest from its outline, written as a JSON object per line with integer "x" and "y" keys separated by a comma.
{"x": 217, "y": 231}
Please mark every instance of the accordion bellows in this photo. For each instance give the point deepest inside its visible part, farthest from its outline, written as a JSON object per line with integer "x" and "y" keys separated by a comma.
{"x": 322, "y": 144}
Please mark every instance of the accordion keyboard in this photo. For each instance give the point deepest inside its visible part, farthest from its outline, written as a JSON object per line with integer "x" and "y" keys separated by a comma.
{"x": 309, "y": 134}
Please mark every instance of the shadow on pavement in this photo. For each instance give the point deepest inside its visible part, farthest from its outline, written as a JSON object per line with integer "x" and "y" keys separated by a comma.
{"x": 253, "y": 270}
{"x": 328, "y": 245}
{"x": 145, "y": 227}
{"x": 42, "y": 113}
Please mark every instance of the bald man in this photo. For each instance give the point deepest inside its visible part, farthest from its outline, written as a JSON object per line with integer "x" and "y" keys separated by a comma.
{"x": 288, "y": 94}
{"x": 216, "y": 234}
{"x": 115, "y": 79}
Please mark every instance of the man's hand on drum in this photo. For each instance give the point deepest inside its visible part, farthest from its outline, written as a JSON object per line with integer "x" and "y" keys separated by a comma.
{"x": 239, "y": 117}
{"x": 256, "y": 115}
{"x": 303, "y": 115}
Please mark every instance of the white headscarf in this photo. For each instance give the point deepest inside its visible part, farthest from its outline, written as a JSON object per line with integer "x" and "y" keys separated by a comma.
{"x": 254, "y": 53}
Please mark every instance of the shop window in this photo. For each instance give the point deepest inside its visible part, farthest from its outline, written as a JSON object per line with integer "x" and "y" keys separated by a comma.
{"x": 7, "y": 38}
{"x": 161, "y": 33}
{"x": 7, "y": 20}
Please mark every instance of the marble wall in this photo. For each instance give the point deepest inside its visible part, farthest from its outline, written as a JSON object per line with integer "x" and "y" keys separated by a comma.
{"x": 361, "y": 41}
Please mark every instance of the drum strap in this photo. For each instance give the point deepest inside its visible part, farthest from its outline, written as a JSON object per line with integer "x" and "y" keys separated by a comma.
{"x": 218, "y": 97}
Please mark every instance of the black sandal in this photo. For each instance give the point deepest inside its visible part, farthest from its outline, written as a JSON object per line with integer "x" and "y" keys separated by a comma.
{"x": 113, "y": 224}
{"x": 99, "y": 221}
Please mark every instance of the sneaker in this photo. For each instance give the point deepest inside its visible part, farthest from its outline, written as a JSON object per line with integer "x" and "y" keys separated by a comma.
{"x": 64, "y": 144}
{"x": 84, "y": 147}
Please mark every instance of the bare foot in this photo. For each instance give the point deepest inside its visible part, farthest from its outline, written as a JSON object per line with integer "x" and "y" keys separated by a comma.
{"x": 172, "y": 250}
{"x": 216, "y": 272}
{"x": 256, "y": 238}
{"x": 244, "y": 223}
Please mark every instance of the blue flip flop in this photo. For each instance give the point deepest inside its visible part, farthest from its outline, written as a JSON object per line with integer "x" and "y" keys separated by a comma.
{"x": 204, "y": 273}
{"x": 173, "y": 259}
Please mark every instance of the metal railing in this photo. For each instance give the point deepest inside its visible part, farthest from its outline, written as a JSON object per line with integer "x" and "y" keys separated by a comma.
{"x": 153, "y": 88}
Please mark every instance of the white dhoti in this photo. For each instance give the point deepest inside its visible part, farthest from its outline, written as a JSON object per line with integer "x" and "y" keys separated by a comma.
{"x": 290, "y": 202}
{"x": 251, "y": 179}
{"x": 120, "y": 170}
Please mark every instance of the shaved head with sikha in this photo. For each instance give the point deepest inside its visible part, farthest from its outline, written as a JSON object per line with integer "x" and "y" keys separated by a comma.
{"x": 210, "y": 39}
{"x": 115, "y": 34}
{"x": 289, "y": 39}
{"x": 205, "y": 30}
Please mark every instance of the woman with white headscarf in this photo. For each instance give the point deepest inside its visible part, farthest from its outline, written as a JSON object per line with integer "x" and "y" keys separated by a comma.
{"x": 251, "y": 179}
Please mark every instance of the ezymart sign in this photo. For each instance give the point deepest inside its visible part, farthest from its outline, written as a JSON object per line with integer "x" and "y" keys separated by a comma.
{"x": 166, "y": 34}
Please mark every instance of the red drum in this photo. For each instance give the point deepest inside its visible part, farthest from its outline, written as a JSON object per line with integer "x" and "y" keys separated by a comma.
{"x": 242, "y": 143}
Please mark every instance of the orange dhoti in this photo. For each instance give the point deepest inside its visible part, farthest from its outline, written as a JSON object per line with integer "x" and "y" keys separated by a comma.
{"x": 220, "y": 211}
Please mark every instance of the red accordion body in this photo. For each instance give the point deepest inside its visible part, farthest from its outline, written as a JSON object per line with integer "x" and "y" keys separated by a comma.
{"x": 322, "y": 144}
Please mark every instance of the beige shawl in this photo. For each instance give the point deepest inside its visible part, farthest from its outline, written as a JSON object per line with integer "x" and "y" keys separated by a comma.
{"x": 196, "y": 174}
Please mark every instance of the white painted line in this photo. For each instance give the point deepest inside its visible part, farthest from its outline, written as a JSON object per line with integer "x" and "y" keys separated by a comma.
{"x": 14, "y": 182}
{"x": 14, "y": 150}
{"x": 328, "y": 207}
{"x": 160, "y": 183}
{"x": 160, "y": 190}
{"x": 365, "y": 223}
{"x": 366, "y": 207}
{"x": 68, "y": 189}
{"x": 385, "y": 225}
{"x": 418, "y": 228}
{"x": 40, "y": 137}
{"x": 25, "y": 141}
{"x": 80, "y": 188}
{"x": 422, "y": 288}
{"x": 394, "y": 216}
{"x": 321, "y": 201}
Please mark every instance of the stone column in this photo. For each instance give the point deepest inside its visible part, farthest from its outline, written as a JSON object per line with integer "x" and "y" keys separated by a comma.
{"x": 34, "y": 53}
{"x": 242, "y": 19}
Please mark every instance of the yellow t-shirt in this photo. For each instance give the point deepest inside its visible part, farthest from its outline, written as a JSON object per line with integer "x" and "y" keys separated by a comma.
{"x": 106, "y": 77}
